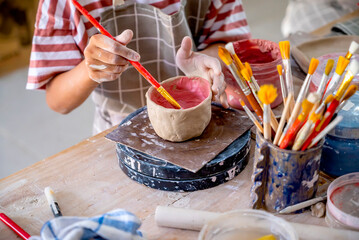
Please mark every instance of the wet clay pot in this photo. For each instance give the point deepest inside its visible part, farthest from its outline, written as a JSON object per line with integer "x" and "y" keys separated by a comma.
{"x": 177, "y": 125}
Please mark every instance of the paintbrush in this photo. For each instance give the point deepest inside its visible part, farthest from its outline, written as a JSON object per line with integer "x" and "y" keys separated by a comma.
{"x": 283, "y": 88}
{"x": 325, "y": 77}
{"x": 354, "y": 46}
{"x": 318, "y": 123}
{"x": 334, "y": 81}
{"x": 349, "y": 93}
{"x": 302, "y": 94}
{"x": 273, "y": 121}
{"x": 135, "y": 64}
{"x": 267, "y": 94}
{"x": 251, "y": 116}
{"x": 307, "y": 106}
{"x": 282, "y": 121}
{"x": 225, "y": 56}
{"x": 284, "y": 47}
{"x": 307, "y": 128}
{"x": 249, "y": 69}
{"x": 302, "y": 205}
{"x": 16, "y": 228}
{"x": 326, "y": 130}
{"x": 348, "y": 77}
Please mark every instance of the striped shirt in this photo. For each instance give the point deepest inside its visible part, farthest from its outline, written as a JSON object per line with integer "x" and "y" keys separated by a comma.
{"x": 62, "y": 33}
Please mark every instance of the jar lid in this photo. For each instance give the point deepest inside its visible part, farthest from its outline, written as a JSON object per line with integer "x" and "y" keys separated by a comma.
{"x": 349, "y": 127}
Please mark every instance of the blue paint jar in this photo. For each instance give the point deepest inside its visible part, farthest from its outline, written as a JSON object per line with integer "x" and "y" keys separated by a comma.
{"x": 340, "y": 153}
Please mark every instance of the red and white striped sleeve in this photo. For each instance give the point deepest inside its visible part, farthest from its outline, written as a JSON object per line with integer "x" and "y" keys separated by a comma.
{"x": 225, "y": 21}
{"x": 60, "y": 36}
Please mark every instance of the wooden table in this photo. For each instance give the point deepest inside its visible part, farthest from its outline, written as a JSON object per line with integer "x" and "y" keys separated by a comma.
{"x": 88, "y": 181}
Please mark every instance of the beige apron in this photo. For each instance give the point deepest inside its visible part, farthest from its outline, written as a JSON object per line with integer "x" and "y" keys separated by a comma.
{"x": 157, "y": 37}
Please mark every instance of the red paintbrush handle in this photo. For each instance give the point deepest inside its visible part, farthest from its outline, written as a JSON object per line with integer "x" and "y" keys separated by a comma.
{"x": 291, "y": 134}
{"x": 16, "y": 228}
{"x": 326, "y": 120}
{"x": 136, "y": 65}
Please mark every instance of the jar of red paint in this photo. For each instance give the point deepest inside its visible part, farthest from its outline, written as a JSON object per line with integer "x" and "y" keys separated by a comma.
{"x": 263, "y": 57}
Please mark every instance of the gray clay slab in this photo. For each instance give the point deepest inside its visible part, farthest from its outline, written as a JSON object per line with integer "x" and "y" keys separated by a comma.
{"x": 226, "y": 125}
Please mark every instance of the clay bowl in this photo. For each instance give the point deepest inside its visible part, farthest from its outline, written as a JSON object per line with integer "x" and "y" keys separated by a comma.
{"x": 176, "y": 125}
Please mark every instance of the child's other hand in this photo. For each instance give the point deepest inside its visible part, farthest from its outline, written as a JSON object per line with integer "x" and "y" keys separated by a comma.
{"x": 198, "y": 64}
{"x": 106, "y": 59}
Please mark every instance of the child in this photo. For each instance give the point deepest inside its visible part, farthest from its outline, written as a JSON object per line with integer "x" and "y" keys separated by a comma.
{"x": 70, "y": 60}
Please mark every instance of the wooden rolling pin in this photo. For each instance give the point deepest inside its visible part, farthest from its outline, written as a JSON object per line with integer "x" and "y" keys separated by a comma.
{"x": 190, "y": 219}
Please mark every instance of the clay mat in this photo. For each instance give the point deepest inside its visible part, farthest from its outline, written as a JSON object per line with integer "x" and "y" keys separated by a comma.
{"x": 225, "y": 126}
{"x": 319, "y": 47}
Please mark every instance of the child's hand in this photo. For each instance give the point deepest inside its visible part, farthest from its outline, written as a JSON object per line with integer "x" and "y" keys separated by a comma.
{"x": 106, "y": 59}
{"x": 198, "y": 64}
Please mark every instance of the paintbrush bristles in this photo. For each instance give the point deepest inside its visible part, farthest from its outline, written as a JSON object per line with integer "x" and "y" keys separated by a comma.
{"x": 341, "y": 65}
{"x": 329, "y": 66}
{"x": 354, "y": 46}
{"x": 313, "y": 65}
{"x": 280, "y": 69}
{"x": 284, "y": 47}
{"x": 267, "y": 94}
{"x": 350, "y": 92}
{"x": 249, "y": 69}
{"x": 225, "y": 56}
{"x": 245, "y": 74}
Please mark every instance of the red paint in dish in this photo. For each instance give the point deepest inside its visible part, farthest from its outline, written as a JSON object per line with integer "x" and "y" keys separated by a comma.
{"x": 187, "y": 91}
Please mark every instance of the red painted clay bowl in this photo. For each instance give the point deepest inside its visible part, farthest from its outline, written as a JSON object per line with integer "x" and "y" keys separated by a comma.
{"x": 177, "y": 125}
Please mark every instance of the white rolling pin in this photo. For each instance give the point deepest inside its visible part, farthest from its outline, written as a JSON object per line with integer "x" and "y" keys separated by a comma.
{"x": 191, "y": 219}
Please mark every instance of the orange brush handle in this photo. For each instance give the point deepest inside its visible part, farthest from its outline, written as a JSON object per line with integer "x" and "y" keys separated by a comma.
{"x": 291, "y": 134}
{"x": 255, "y": 105}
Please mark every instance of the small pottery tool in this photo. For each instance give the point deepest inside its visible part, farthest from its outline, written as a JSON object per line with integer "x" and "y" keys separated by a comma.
{"x": 267, "y": 94}
{"x": 135, "y": 64}
{"x": 282, "y": 122}
{"x": 307, "y": 106}
{"x": 349, "y": 75}
{"x": 302, "y": 205}
{"x": 324, "y": 80}
{"x": 284, "y": 47}
{"x": 301, "y": 96}
{"x": 252, "y": 117}
{"x": 225, "y": 56}
{"x": 50, "y": 196}
{"x": 16, "y": 228}
{"x": 246, "y": 75}
{"x": 318, "y": 210}
{"x": 334, "y": 81}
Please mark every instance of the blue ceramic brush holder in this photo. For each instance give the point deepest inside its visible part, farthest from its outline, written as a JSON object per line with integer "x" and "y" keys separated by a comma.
{"x": 281, "y": 177}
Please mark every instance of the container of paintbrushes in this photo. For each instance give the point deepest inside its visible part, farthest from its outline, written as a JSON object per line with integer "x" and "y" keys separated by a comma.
{"x": 282, "y": 177}
{"x": 263, "y": 57}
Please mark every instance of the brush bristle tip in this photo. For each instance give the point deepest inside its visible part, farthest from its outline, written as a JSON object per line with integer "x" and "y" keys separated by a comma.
{"x": 354, "y": 46}
{"x": 354, "y": 67}
{"x": 229, "y": 46}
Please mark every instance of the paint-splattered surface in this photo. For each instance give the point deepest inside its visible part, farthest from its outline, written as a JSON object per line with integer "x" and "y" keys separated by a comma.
{"x": 225, "y": 126}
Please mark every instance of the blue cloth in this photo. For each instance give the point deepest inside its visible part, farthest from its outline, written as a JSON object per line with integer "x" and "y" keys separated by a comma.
{"x": 118, "y": 224}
